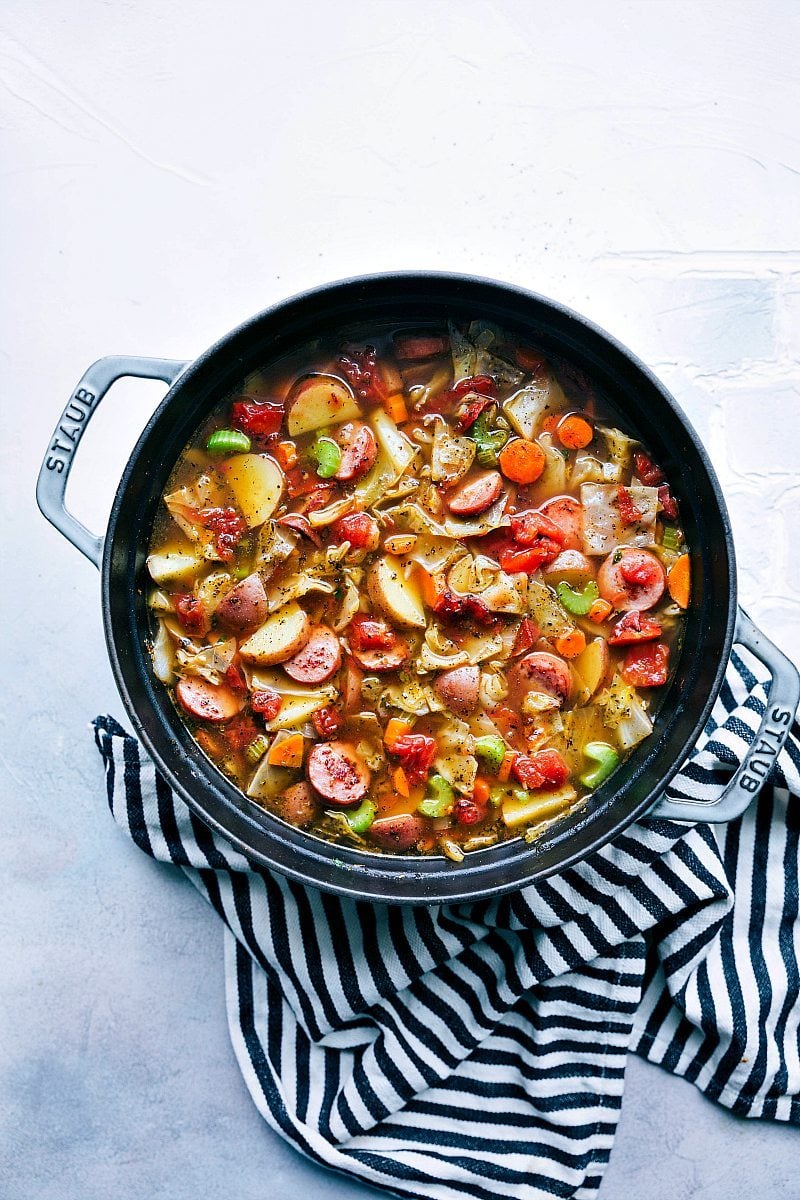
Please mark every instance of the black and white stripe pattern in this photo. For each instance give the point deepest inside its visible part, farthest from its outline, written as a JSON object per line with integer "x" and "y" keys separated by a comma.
{"x": 479, "y": 1050}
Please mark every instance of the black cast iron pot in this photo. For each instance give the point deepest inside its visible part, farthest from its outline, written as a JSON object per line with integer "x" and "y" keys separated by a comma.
{"x": 643, "y": 405}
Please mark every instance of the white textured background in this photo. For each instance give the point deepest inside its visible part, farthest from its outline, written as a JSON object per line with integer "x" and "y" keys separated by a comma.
{"x": 169, "y": 169}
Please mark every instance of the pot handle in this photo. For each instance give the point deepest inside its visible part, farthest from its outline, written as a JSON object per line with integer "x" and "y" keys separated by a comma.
{"x": 762, "y": 754}
{"x": 51, "y": 485}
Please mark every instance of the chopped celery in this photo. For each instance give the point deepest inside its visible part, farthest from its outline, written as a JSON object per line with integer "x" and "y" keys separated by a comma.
{"x": 488, "y": 442}
{"x": 257, "y": 749}
{"x": 671, "y": 538}
{"x": 578, "y": 602}
{"x": 491, "y": 750}
{"x": 328, "y": 456}
{"x": 359, "y": 819}
{"x": 440, "y": 798}
{"x": 228, "y": 441}
{"x": 605, "y": 757}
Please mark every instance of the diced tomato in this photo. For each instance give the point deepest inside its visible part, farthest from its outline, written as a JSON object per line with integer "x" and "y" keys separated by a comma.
{"x": 227, "y": 527}
{"x": 648, "y": 471}
{"x": 303, "y": 483}
{"x": 529, "y": 559}
{"x": 240, "y": 732}
{"x": 192, "y": 614}
{"x": 416, "y": 752}
{"x": 471, "y": 411}
{"x": 327, "y": 721}
{"x": 370, "y": 633}
{"x": 628, "y": 512}
{"x": 234, "y": 677}
{"x": 647, "y": 665}
{"x": 360, "y": 368}
{"x": 528, "y": 528}
{"x": 448, "y": 604}
{"x": 668, "y": 502}
{"x": 467, "y": 811}
{"x": 359, "y": 529}
{"x": 636, "y": 570}
{"x": 546, "y": 768}
{"x": 528, "y": 635}
{"x": 268, "y": 702}
{"x": 634, "y": 626}
{"x": 258, "y": 418}
{"x": 484, "y": 385}
{"x": 506, "y": 719}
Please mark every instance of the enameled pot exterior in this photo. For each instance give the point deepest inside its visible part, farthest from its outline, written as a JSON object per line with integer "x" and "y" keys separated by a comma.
{"x": 643, "y": 405}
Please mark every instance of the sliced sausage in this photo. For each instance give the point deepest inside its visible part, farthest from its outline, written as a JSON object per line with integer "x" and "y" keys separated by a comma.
{"x": 383, "y": 658}
{"x": 458, "y": 688}
{"x": 540, "y": 672}
{"x": 567, "y": 514}
{"x": 337, "y": 773}
{"x": 476, "y": 495}
{"x": 300, "y": 524}
{"x": 320, "y": 658}
{"x": 350, "y": 684}
{"x": 298, "y": 804}
{"x": 359, "y": 450}
{"x": 412, "y": 347}
{"x": 632, "y": 579}
{"x": 397, "y": 833}
{"x": 208, "y": 701}
{"x": 244, "y": 605}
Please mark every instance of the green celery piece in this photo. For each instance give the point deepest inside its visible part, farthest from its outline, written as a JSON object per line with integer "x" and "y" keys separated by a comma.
{"x": 577, "y": 603}
{"x": 440, "y": 800}
{"x": 671, "y": 539}
{"x": 491, "y": 750}
{"x": 228, "y": 441}
{"x": 328, "y": 456}
{"x": 359, "y": 819}
{"x": 605, "y": 757}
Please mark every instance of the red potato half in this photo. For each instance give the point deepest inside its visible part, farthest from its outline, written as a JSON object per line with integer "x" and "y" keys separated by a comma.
{"x": 397, "y": 833}
{"x": 244, "y": 605}
{"x": 567, "y": 514}
{"x": 632, "y": 579}
{"x": 207, "y": 701}
{"x": 540, "y": 672}
{"x": 476, "y": 494}
{"x": 337, "y": 773}
{"x": 572, "y": 567}
{"x": 298, "y": 805}
{"x": 383, "y": 658}
{"x": 317, "y": 401}
{"x": 281, "y": 636}
{"x": 458, "y": 688}
{"x": 318, "y": 660}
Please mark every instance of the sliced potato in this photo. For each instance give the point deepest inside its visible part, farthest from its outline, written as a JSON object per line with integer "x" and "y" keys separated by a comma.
{"x": 572, "y": 567}
{"x": 591, "y": 667}
{"x": 399, "y": 597}
{"x": 296, "y": 710}
{"x": 281, "y": 636}
{"x": 174, "y": 566}
{"x": 537, "y": 806}
{"x": 257, "y": 485}
{"x": 318, "y": 401}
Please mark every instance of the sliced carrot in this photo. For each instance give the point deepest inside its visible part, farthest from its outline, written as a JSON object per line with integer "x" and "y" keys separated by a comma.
{"x": 504, "y": 774}
{"x": 286, "y": 454}
{"x": 571, "y": 644}
{"x": 431, "y": 586}
{"x": 480, "y": 792}
{"x": 574, "y": 433}
{"x": 395, "y": 407}
{"x": 395, "y": 729}
{"x": 679, "y": 581}
{"x": 400, "y": 781}
{"x": 522, "y": 461}
{"x": 288, "y": 753}
{"x": 599, "y": 611}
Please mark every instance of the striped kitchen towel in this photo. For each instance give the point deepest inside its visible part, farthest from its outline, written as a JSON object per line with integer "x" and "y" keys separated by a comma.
{"x": 478, "y": 1050}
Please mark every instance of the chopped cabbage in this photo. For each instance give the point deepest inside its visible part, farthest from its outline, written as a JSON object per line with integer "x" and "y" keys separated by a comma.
{"x": 587, "y": 469}
{"x": 295, "y": 586}
{"x": 620, "y": 446}
{"x": 603, "y": 529}
{"x": 451, "y": 457}
{"x": 546, "y": 610}
{"x": 528, "y": 407}
{"x": 163, "y": 655}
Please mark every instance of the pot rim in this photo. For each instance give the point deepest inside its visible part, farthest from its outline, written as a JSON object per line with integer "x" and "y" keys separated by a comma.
{"x": 384, "y": 877}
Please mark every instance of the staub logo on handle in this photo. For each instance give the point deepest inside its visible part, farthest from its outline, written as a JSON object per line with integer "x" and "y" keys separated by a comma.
{"x": 71, "y": 427}
{"x": 762, "y": 754}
